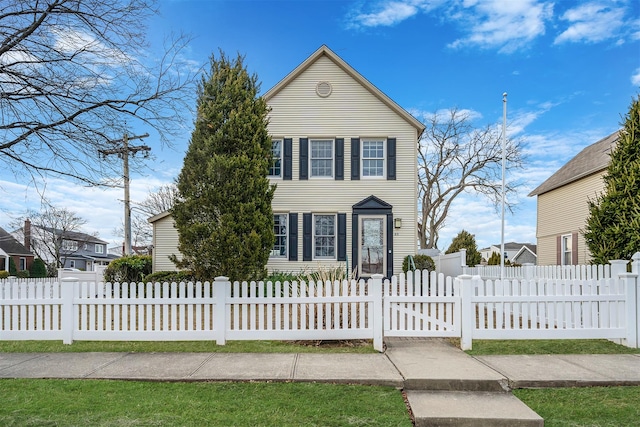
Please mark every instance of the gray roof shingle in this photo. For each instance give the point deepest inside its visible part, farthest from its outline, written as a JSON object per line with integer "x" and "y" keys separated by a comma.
{"x": 590, "y": 160}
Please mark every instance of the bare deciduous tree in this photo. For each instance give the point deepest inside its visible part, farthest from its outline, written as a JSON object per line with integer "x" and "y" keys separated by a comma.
{"x": 454, "y": 157}
{"x": 156, "y": 202}
{"x": 74, "y": 74}
{"x": 54, "y": 233}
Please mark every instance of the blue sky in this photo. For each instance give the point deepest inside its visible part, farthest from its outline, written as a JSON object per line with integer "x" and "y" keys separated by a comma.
{"x": 570, "y": 69}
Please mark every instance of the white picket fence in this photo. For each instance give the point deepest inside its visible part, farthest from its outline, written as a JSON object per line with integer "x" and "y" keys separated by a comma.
{"x": 420, "y": 304}
{"x": 585, "y": 272}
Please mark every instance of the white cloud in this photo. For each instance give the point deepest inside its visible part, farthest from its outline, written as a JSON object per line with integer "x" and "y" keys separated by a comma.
{"x": 635, "y": 78}
{"x": 102, "y": 208}
{"x": 507, "y": 26}
{"x": 388, "y": 13}
{"x": 591, "y": 23}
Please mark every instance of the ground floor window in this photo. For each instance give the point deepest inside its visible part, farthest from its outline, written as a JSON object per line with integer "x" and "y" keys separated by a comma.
{"x": 280, "y": 230}
{"x": 567, "y": 249}
{"x": 324, "y": 236}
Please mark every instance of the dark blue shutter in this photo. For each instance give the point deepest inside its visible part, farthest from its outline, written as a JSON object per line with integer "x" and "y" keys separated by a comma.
{"x": 304, "y": 158}
{"x": 293, "y": 237}
{"x": 355, "y": 158}
{"x": 339, "y": 158}
{"x": 391, "y": 158}
{"x": 288, "y": 159}
{"x": 307, "y": 237}
{"x": 355, "y": 242}
{"x": 389, "y": 254}
{"x": 342, "y": 237}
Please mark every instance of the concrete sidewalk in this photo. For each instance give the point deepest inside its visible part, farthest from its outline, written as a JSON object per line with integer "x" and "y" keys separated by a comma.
{"x": 444, "y": 385}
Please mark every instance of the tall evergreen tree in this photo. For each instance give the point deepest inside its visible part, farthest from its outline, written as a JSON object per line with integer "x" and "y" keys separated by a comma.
{"x": 466, "y": 240}
{"x": 223, "y": 213}
{"x": 613, "y": 227}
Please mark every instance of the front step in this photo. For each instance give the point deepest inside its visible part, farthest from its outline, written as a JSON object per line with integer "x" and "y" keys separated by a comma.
{"x": 460, "y": 408}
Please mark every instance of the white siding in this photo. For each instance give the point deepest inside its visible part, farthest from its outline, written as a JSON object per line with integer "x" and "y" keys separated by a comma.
{"x": 351, "y": 111}
{"x": 165, "y": 243}
{"x": 564, "y": 211}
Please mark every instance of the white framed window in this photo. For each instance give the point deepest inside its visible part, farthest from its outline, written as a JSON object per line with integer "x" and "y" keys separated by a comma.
{"x": 70, "y": 245}
{"x": 373, "y": 158}
{"x": 275, "y": 170}
{"x": 99, "y": 249}
{"x": 280, "y": 230}
{"x": 23, "y": 264}
{"x": 321, "y": 158}
{"x": 72, "y": 263}
{"x": 324, "y": 237}
{"x": 567, "y": 246}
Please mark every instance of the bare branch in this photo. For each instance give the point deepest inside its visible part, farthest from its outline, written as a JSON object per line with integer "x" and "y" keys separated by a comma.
{"x": 74, "y": 74}
{"x": 453, "y": 158}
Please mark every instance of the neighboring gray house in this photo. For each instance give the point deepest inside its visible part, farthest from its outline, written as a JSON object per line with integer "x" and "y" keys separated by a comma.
{"x": 76, "y": 249}
{"x": 520, "y": 253}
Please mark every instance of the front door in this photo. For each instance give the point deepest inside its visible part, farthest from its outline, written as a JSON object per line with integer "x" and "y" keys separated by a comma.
{"x": 372, "y": 245}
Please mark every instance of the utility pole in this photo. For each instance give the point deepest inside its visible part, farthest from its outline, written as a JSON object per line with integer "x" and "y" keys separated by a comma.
{"x": 123, "y": 152}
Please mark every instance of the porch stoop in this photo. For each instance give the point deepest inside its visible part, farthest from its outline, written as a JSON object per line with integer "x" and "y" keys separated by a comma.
{"x": 447, "y": 387}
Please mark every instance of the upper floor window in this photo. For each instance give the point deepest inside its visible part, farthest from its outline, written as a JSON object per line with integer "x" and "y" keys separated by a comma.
{"x": 280, "y": 230}
{"x": 275, "y": 169}
{"x": 321, "y": 158}
{"x": 324, "y": 236}
{"x": 69, "y": 245}
{"x": 99, "y": 249}
{"x": 373, "y": 157}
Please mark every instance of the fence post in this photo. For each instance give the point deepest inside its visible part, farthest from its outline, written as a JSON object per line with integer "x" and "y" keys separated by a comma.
{"x": 618, "y": 266}
{"x": 375, "y": 291}
{"x": 632, "y": 321}
{"x": 221, "y": 293}
{"x": 635, "y": 263}
{"x": 68, "y": 287}
{"x": 467, "y": 317}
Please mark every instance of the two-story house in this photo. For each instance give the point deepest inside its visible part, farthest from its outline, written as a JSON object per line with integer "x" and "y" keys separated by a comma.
{"x": 563, "y": 206}
{"x": 72, "y": 249}
{"x": 345, "y": 165}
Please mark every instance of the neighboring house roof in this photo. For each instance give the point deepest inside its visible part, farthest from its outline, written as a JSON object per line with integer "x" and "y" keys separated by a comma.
{"x": 11, "y": 246}
{"x": 159, "y": 217}
{"x": 512, "y": 246}
{"x": 325, "y": 51}
{"x": 74, "y": 235}
{"x": 590, "y": 160}
{"x": 526, "y": 248}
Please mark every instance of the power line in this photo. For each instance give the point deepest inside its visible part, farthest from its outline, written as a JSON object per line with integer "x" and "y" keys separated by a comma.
{"x": 123, "y": 152}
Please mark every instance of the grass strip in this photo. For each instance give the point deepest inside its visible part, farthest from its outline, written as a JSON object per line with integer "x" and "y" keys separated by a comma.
{"x": 187, "y": 347}
{"x": 597, "y": 346}
{"x": 28, "y": 402}
{"x": 577, "y": 407}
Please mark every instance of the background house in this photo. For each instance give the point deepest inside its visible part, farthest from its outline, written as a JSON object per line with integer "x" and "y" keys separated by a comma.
{"x": 74, "y": 249}
{"x": 563, "y": 208}
{"x": 521, "y": 253}
{"x": 10, "y": 247}
{"x": 345, "y": 166}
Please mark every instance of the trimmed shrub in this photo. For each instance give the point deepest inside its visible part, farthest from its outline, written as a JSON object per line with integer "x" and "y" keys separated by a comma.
{"x": 22, "y": 274}
{"x": 169, "y": 277}
{"x": 38, "y": 268}
{"x": 132, "y": 268}
{"x": 422, "y": 262}
{"x": 4, "y": 274}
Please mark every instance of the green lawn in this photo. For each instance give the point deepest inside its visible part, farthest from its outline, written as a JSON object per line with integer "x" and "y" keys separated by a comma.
{"x": 587, "y": 407}
{"x": 494, "y": 347}
{"x": 133, "y": 403}
{"x": 187, "y": 346}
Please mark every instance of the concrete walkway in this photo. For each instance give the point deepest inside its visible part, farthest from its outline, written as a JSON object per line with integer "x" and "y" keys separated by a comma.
{"x": 444, "y": 385}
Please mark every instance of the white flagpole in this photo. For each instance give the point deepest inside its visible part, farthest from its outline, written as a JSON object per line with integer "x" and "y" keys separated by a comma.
{"x": 504, "y": 145}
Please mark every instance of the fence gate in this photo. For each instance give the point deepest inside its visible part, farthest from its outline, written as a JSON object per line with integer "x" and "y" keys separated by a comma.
{"x": 421, "y": 305}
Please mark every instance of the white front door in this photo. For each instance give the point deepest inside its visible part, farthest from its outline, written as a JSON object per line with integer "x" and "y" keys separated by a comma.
{"x": 372, "y": 245}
